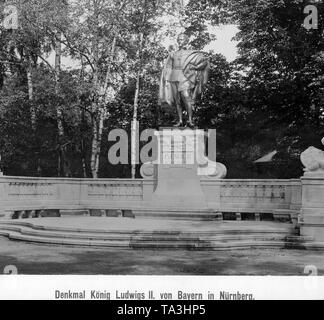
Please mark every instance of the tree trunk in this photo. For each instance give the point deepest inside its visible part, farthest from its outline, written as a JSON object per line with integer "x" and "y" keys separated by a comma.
{"x": 99, "y": 138}
{"x": 95, "y": 105}
{"x": 63, "y": 167}
{"x": 94, "y": 149}
{"x": 33, "y": 116}
{"x": 135, "y": 126}
{"x": 100, "y": 112}
{"x": 101, "y": 96}
{"x": 104, "y": 102}
{"x": 29, "y": 72}
{"x": 83, "y": 159}
{"x": 83, "y": 125}
{"x": 136, "y": 98}
{"x": 59, "y": 113}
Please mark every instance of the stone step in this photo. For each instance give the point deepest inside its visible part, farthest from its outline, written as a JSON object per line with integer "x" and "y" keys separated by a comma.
{"x": 154, "y": 236}
{"x": 29, "y": 229}
{"x": 60, "y": 241}
{"x": 213, "y": 229}
{"x": 299, "y": 239}
{"x": 234, "y": 245}
{"x": 220, "y": 239}
{"x": 198, "y": 245}
{"x": 299, "y": 242}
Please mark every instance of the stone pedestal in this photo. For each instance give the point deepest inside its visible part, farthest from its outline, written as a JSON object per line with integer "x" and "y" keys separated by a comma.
{"x": 177, "y": 174}
{"x": 179, "y": 169}
{"x": 312, "y": 214}
{"x": 312, "y": 217}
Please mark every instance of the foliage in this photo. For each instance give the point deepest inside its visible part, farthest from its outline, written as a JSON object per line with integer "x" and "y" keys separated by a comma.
{"x": 269, "y": 98}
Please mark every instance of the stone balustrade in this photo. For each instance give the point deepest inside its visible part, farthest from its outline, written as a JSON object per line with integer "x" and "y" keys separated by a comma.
{"x": 263, "y": 196}
{"x": 26, "y": 196}
{"x": 22, "y": 193}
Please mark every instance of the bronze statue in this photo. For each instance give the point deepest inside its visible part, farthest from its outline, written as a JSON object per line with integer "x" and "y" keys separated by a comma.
{"x": 184, "y": 75}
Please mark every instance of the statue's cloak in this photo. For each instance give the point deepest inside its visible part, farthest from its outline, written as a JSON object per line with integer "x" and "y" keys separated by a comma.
{"x": 197, "y": 79}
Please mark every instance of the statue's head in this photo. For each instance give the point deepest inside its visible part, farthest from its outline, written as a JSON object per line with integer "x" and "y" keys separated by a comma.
{"x": 182, "y": 40}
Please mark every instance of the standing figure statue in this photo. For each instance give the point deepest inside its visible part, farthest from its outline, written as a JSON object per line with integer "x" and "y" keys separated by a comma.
{"x": 184, "y": 75}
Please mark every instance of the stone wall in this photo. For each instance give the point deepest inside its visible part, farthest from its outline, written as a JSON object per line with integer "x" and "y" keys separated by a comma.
{"x": 237, "y": 196}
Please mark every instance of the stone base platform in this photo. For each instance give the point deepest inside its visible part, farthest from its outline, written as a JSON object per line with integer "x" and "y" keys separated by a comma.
{"x": 158, "y": 234}
{"x": 178, "y": 214}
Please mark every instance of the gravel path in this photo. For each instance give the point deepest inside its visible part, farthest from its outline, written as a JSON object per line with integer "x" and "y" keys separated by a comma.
{"x": 43, "y": 259}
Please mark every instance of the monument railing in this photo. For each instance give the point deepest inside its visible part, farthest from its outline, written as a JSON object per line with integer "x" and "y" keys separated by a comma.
{"x": 254, "y": 196}
{"x": 246, "y": 196}
{"x": 24, "y": 193}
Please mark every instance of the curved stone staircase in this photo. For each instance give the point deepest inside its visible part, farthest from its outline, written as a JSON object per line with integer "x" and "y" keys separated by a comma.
{"x": 139, "y": 234}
